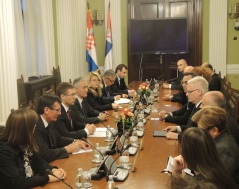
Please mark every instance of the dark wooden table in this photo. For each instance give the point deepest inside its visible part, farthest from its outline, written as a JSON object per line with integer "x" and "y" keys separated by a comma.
{"x": 150, "y": 160}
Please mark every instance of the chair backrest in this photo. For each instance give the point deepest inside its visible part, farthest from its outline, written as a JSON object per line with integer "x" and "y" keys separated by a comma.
{"x": 233, "y": 104}
{"x": 22, "y": 98}
{"x": 56, "y": 72}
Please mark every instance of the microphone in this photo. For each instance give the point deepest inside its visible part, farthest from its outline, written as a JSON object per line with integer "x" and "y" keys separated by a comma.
{"x": 126, "y": 148}
{"x": 160, "y": 76}
{"x": 84, "y": 139}
{"x": 52, "y": 174}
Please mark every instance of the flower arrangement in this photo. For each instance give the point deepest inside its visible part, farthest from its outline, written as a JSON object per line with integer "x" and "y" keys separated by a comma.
{"x": 144, "y": 90}
{"x": 125, "y": 118}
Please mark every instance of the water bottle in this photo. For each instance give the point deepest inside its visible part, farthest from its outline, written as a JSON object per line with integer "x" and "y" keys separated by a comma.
{"x": 97, "y": 156}
{"x": 79, "y": 178}
{"x": 110, "y": 183}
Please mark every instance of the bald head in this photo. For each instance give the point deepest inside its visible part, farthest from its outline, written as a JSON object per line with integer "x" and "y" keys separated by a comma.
{"x": 182, "y": 64}
{"x": 213, "y": 98}
{"x": 188, "y": 69}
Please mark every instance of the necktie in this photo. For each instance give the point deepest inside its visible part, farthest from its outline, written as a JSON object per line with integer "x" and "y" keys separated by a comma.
{"x": 83, "y": 107}
{"x": 69, "y": 117}
{"x": 107, "y": 91}
{"x": 49, "y": 138}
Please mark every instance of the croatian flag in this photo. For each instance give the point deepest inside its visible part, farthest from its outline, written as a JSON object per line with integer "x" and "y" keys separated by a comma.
{"x": 108, "y": 46}
{"x": 91, "y": 57}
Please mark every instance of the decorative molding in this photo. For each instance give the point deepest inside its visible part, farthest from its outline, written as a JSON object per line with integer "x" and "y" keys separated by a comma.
{"x": 218, "y": 34}
{"x": 233, "y": 69}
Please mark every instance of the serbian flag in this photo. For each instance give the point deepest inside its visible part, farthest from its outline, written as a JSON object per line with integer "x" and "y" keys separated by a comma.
{"x": 91, "y": 57}
{"x": 108, "y": 46}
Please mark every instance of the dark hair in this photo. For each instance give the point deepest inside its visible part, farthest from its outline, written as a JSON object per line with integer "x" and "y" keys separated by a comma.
{"x": 120, "y": 67}
{"x": 200, "y": 153}
{"x": 46, "y": 101}
{"x": 63, "y": 87}
{"x": 19, "y": 129}
{"x": 211, "y": 116}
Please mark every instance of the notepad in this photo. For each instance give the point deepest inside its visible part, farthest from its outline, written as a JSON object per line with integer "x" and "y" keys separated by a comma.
{"x": 160, "y": 133}
{"x": 81, "y": 151}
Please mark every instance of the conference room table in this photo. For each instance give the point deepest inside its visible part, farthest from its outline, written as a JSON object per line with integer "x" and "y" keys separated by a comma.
{"x": 148, "y": 162}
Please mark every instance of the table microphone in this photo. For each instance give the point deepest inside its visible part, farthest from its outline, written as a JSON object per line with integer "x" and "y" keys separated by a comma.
{"x": 84, "y": 139}
{"x": 52, "y": 174}
{"x": 160, "y": 76}
{"x": 126, "y": 148}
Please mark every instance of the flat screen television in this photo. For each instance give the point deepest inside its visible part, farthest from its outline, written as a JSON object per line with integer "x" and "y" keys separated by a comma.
{"x": 158, "y": 36}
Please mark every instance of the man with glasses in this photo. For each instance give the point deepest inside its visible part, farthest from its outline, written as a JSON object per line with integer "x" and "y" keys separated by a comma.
{"x": 196, "y": 88}
{"x": 108, "y": 79}
{"x": 66, "y": 123}
{"x": 180, "y": 116}
{"x": 51, "y": 144}
{"x": 84, "y": 112}
{"x": 119, "y": 85}
{"x": 181, "y": 96}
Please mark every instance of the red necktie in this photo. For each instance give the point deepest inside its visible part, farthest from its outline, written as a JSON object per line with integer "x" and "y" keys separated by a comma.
{"x": 69, "y": 117}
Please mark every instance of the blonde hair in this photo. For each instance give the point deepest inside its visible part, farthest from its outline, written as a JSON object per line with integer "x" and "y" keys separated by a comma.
{"x": 211, "y": 116}
{"x": 98, "y": 91}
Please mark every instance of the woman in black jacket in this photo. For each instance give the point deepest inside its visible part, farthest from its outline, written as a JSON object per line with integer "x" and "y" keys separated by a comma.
{"x": 94, "y": 95}
{"x": 20, "y": 164}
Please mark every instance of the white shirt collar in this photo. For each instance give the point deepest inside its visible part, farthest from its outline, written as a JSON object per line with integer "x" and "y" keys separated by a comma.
{"x": 44, "y": 121}
{"x": 79, "y": 99}
{"x": 198, "y": 104}
{"x": 65, "y": 107}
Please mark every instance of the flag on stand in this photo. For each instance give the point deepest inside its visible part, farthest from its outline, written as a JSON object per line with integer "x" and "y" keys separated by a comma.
{"x": 91, "y": 57}
{"x": 108, "y": 46}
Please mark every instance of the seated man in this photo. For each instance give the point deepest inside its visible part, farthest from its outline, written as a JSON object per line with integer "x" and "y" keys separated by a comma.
{"x": 181, "y": 96}
{"x": 216, "y": 98}
{"x": 196, "y": 88}
{"x": 176, "y": 83}
{"x": 215, "y": 83}
{"x": 83, "y": 111}
{"x": 108, "y": 79}
{"x": 180, "y": 116}
{"x": 51, "y": 144}
{"x": 119, "y": 85}
{"x": 66, "y": 123}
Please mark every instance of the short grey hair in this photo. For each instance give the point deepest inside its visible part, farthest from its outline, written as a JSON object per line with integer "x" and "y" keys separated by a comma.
{"x": 76, "y": 82}
{"x": 109, "y": 73}
{"x": 200, "y": 82}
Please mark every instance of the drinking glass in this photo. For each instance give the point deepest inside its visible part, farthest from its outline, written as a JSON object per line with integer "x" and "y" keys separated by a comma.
{"x": 124, "y": 159}
{"x": 86, "y": 179}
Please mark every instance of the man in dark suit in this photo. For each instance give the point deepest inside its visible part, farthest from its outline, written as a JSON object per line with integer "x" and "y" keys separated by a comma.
{"x": 176, "y": 83}
{"x": 215, "y": 83}
{"x": 108, "y": 79}
{"x": 51, "y": 144}
{"x": 119, "y": 85}
{"x": 216, "y": 98}
{"x": 66, "y": 123}
{"x": 196, "y": 88}
{"x": 83, "y": 111}
{"x": 180, "y": 116}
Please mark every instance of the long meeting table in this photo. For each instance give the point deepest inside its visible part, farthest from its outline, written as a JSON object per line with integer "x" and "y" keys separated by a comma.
{"x": 148, "y": 162}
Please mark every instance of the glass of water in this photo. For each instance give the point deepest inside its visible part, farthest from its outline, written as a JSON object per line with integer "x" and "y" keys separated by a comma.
{"x": 86, "y": 180}
{"x": 124, "y": 159}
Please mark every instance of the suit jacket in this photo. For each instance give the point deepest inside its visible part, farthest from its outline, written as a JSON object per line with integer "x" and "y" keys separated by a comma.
{"x": 54, "y": 149}
{"x": 215, "y": 83}
{"x": 90, "y": 115}
{"x": 190, "y": 123}
{"x": 233, "y": 127}
{"x": 180, "y": 97}
{"x": 181, "y": 116}
{"x": 229, "y": 153}
{"x": 12, "y": 171}
{"x": 119, "y": 88}
{"x": 107, "y": 97}
{"x": 177, "y": 85}
{"x": 98, "y": 103}
{"x": 63, "y": 125}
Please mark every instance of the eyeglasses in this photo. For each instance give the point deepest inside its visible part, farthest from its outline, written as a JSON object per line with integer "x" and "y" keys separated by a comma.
{"x": 95, "y": 80}
{"x": 184, "y": 82}
{"x": 73, "y": 94}
{"x": 58, "y": 110}
{"x": 189, "y": 92}
{"x": 111, "y": 80}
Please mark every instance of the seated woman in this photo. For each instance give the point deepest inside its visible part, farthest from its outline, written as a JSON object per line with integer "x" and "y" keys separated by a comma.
{"x": 94, "y": 96}
{"x": 20, "y": 164}
{"x": 199, "y": 154}
{"x": 213, "y": 120}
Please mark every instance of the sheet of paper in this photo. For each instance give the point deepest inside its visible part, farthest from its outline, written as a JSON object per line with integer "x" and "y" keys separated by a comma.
{"x": 100, "y": 129}
{"x": 98, "y": 134}
{"x": 122, "y": 101}
{"x": 81, "y": 151}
